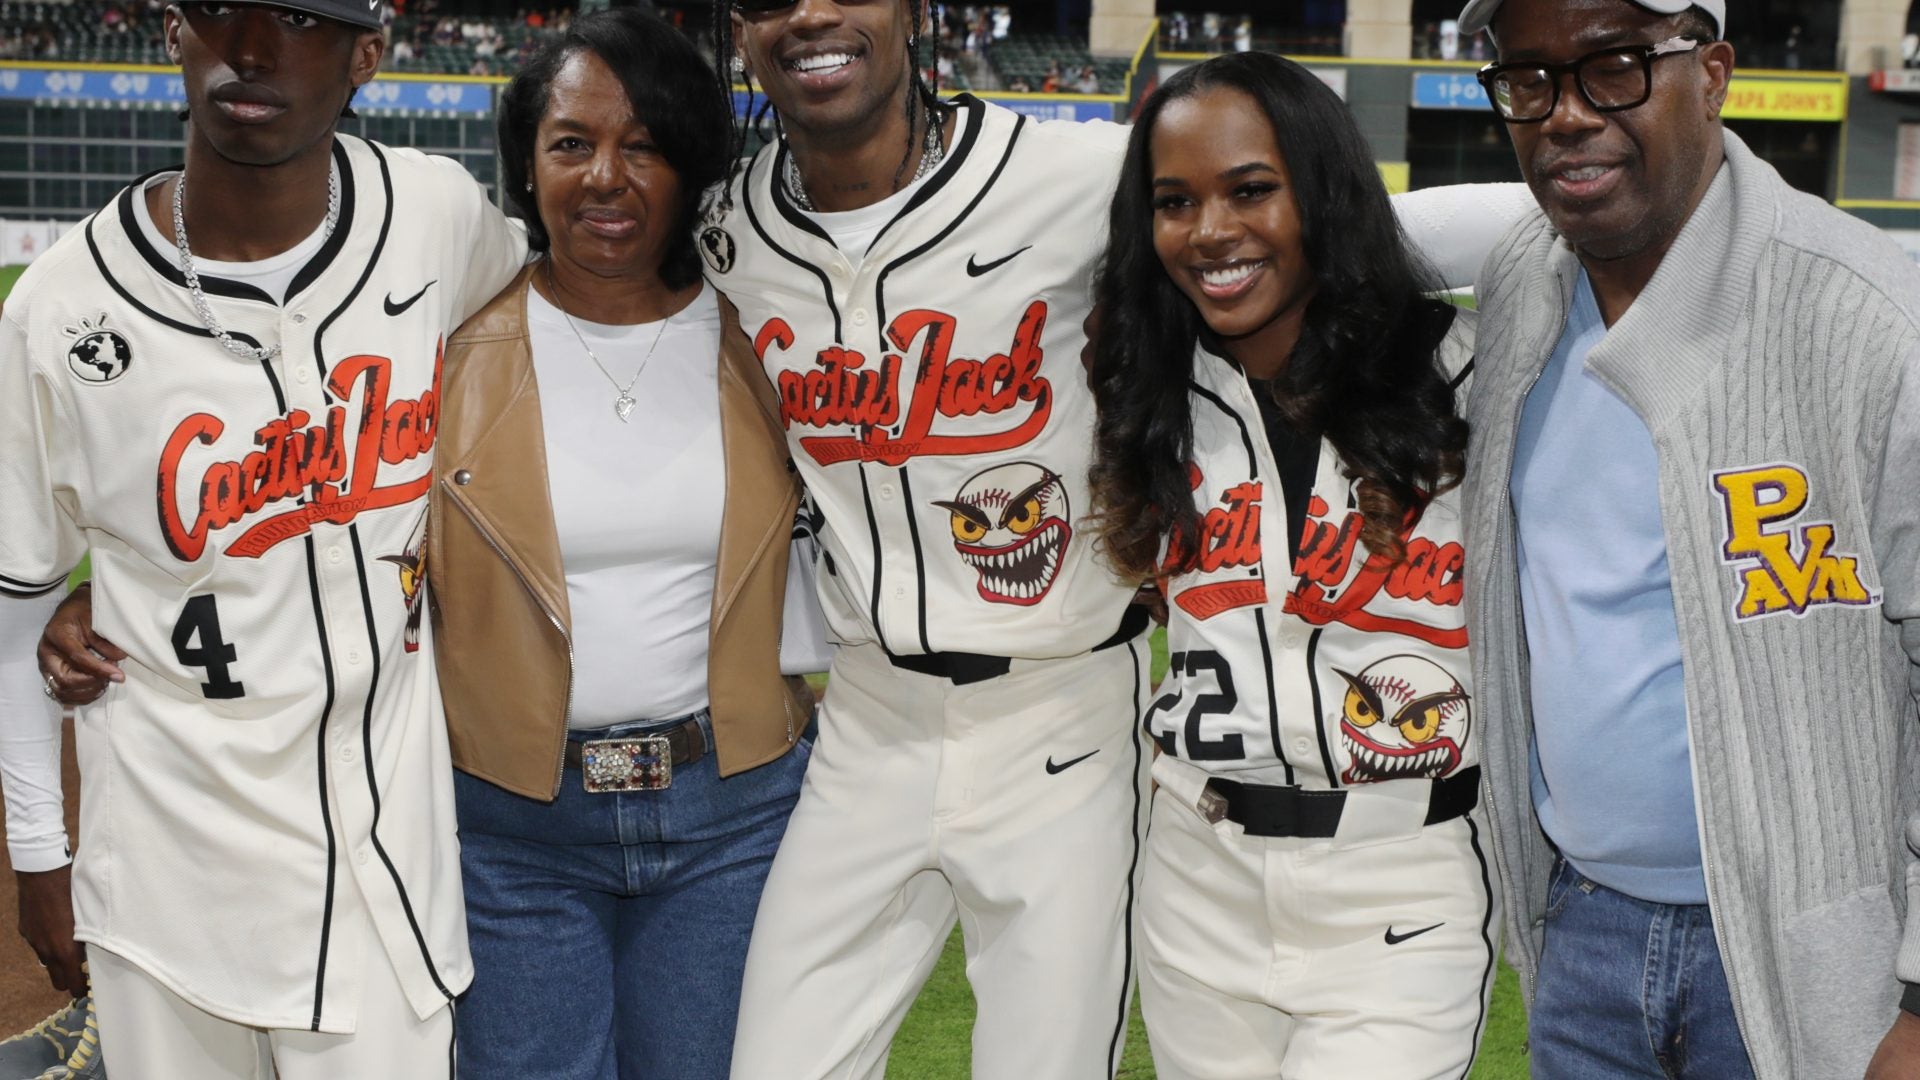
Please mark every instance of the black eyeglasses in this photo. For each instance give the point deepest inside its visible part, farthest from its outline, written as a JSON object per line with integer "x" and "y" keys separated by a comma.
{"x": 1610, "y": 80}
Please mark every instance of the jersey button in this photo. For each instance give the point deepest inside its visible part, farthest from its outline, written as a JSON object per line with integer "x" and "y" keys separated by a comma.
{"x": 301, "y": 375}
{"x": 900, "y": 591}
{"x": 1302, "y": 746}
{"x": 886, "y": 491}
{"x": 361, "y": 855}
{"x": 334, "y": 555}
{"x": 860, "y": 316}
{"x": 300, "y": 317}
{"x": 353, "y": 656}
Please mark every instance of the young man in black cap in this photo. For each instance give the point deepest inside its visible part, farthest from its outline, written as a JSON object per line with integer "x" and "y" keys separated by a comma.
{"x": 225, "y": 387}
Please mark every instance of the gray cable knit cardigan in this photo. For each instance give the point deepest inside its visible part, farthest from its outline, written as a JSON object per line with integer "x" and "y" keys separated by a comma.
{"x": 1775, "y": 357}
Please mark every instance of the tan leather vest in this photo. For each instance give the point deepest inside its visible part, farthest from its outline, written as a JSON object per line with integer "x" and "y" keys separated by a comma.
{"x": 498, "y": 591}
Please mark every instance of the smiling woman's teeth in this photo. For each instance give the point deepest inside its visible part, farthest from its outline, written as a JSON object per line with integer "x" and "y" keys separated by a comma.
{"x": 1232, "y": 275}
{"x": 822, "y": 62}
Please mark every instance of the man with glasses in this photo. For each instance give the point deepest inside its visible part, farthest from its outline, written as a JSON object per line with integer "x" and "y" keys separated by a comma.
{"x": 1694, "y": 572}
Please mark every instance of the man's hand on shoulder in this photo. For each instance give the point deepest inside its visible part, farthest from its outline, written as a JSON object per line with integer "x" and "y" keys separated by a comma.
{"x": 46, "y": 922}
{"x": 1898, "y": 1057}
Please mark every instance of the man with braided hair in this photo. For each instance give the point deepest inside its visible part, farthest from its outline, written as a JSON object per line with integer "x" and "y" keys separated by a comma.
{"x": 914, "y": 274}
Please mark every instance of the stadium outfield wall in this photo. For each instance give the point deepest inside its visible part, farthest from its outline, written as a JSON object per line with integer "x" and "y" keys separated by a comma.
{"x": 72, "y": 135}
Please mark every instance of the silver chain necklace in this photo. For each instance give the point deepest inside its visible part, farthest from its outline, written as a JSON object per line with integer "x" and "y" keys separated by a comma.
{"x": 200, "y": 306}
{"x": 622, "y": 405}
{"x": 932, "y": 152}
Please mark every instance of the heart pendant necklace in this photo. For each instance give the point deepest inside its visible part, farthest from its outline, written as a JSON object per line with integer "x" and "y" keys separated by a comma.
{"x": 624, "y": 403}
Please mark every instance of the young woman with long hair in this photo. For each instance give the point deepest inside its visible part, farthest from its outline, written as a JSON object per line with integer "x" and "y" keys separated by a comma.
{"x": 1278, "y": 444}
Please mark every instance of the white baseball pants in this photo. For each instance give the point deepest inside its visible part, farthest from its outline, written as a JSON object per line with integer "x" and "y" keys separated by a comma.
{"x": 158, "y": 1033}
{"x": 1014, "y": 805}
{"x": 1267, "y": 957}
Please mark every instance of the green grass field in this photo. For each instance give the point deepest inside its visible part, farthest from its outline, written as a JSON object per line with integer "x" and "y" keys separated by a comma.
{"x": 934, "y": 1041}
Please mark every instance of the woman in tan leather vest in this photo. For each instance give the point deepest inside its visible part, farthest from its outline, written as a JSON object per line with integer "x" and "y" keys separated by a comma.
{"x": 608, "y": 556}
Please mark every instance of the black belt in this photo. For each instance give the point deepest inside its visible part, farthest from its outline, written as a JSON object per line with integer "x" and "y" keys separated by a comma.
{"x": 963, "y": 668}
{"x": 1295, "y": 811}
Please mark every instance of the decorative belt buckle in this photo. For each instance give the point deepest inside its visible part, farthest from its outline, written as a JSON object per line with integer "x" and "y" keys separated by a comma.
{"x": 1211, "y": 805}
{"x": 644, "y": 763}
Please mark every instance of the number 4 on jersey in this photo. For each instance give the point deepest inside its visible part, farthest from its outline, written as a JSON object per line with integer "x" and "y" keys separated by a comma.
{"x": 201, "y": 619}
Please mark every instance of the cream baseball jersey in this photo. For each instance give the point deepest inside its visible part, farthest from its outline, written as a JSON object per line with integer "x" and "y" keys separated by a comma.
{"x": 1338, "y": 669}
{"x": 933, "y": 393}
{"x": 270, "y": 788}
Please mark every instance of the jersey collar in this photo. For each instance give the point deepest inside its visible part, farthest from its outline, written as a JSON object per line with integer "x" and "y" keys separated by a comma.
{"x": 237, "y": 290}
{"x": 772, "y": 165}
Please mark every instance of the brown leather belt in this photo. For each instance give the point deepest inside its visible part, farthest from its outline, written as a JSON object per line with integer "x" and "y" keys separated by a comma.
{"x": 642, "y": 761}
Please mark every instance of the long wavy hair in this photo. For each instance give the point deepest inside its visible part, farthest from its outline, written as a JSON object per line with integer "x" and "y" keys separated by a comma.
{"x": 1363, "y": 373}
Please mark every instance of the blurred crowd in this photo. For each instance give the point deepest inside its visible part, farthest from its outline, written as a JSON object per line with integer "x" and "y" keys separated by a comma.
{"x": 44, "y": 31}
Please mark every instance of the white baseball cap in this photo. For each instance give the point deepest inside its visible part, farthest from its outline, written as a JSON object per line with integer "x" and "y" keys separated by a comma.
{"x": 1479, "y": 14}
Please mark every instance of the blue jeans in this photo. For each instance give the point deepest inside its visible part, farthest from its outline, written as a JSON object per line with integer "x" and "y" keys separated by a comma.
{"x": 1629, "y": 988}
{"x": 609, "y": 931}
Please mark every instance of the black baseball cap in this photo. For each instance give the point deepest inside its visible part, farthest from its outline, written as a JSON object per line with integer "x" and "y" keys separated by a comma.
{"x": 361, "y": 13}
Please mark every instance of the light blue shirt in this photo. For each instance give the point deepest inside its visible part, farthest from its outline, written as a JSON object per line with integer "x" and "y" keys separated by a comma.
{"x": 1612, "y": 768}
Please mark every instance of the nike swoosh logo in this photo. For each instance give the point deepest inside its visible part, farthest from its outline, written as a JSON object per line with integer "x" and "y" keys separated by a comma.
{"x": 1055, "y": 770}
{"x": 1395, "y": 939}
{"x": 975, "y": 269}
{"x": 402, "y": 306}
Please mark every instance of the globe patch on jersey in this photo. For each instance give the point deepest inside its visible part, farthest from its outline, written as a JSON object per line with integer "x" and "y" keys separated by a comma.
{"x": 98, "y": 354}
{"x": 1781, "y": 567}
{"x": 1010, "y": 524}
{"x": 716, "y": 246}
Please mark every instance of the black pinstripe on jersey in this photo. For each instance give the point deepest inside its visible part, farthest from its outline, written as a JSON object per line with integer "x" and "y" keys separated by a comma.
{"x": 1259, "y": 620}
{"x": 366, "y": 601}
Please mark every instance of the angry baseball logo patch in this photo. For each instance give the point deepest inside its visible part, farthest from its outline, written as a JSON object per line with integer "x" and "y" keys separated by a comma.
{"x": 845, "y": 390}
{"x": 1781, "y": 567}
{"x": 98, "y": 354}
{"x": 412, "y": 564}
{"x": 1010, "y": 523}
{"x": 1404, "y": 717}
{"x": 334, "y": 467}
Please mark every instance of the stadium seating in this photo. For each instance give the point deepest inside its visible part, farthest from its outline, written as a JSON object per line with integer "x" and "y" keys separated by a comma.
{"x": 1028, "y": 57}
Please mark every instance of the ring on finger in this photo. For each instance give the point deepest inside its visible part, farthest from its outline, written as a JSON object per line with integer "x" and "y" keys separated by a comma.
{"x": 47, "y": 683}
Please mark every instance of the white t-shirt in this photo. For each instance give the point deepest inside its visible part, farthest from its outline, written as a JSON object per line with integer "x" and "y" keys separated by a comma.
{"x": 272, "y": 275}
{"x": 853, "y": 230}
{"x": 637, "y": 504}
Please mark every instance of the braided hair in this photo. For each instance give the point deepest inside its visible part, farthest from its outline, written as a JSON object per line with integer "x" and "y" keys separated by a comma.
{"x": 921, "y": 95}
